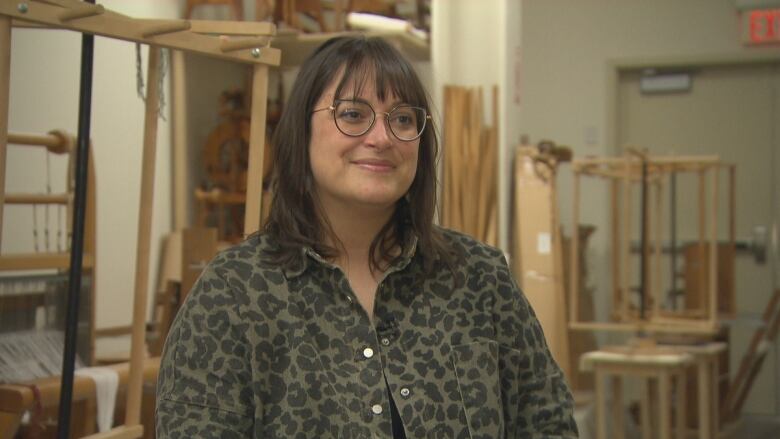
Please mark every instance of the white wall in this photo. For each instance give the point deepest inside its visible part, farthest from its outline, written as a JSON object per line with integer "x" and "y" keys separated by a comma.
{"x": 44, "y": 96}
{"x": 473, "y": 44}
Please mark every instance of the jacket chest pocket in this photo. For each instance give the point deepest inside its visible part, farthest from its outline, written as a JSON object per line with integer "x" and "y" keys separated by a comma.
{"x": 477, "y": 371}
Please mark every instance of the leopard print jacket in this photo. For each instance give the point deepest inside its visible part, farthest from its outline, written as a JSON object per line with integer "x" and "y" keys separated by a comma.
{"x": 265, "y": 352}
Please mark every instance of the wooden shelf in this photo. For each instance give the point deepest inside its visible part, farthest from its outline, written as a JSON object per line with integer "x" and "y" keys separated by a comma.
{"x": 296, "y": 46}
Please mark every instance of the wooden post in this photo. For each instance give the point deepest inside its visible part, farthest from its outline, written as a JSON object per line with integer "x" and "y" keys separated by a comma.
{"x": 645, "y": 409}
{"x": 626, "y": 250}
{"x": 713, "y": 264}
{"x": 702, "y": 247}
{"x": 181, "y": 193}
{"x": 601, "y": 404}
{"x": 5, "y": 85}
{"x": 137, "y": 349}
{"x": 616, "y": 240}
{"x": 254, "y": 185}
{"x": 617, "y": 407}
{"x": 574, "y": 306}
{"x": 657, "y": 289}
{"x": 681, "y": 384}
{"x": 704, "y": 406}
{"x": 714, "y": 409}
{"x": 663, "y": 405}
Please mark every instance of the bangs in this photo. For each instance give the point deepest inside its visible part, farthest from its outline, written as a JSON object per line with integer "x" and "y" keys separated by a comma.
{"x": 389, "y": 72}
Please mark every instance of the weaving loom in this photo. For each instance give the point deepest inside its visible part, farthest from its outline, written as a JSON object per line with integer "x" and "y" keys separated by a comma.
{"x": 243, "y": 42}
{"x": 33, "y": 283}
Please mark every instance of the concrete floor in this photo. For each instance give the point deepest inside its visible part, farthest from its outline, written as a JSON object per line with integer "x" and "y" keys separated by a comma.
{"x": 754, "y": 427}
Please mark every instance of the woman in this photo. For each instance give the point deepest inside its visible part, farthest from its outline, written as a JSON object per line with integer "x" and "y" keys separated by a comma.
{"x": 351, "y": 315}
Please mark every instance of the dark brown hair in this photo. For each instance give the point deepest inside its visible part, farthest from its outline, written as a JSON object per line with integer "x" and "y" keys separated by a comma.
{"x": 295, "y": 220}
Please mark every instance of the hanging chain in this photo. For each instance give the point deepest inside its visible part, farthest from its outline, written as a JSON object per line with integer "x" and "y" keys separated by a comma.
{"x": 139, "y": 74}
{"x": 162, "y": 70}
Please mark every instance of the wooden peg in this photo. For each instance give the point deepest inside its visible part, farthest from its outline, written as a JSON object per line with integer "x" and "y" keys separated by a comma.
{"x": 232, "y": 45}
{"x": 81, "y": 11}
{"x": 166, "y": 27}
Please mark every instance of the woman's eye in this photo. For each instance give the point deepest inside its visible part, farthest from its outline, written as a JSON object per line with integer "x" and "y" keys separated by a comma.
{"x": 352, "y": 115}
{"x": 403, "y": 119}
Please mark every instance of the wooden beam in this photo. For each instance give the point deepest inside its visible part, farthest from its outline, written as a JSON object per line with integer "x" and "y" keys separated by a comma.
{"x": 114, "y": 25}
{"x": 64, "y": 199}
{"x": 41, "y": 261}
{"x": 233, "y": 27}
{"x": 143, "y": 251}
{"x": 228, "y": 45}
{"x": 254, "y": 186}
{"x": 56, "y": 141}
{"x": 165, "y": 27}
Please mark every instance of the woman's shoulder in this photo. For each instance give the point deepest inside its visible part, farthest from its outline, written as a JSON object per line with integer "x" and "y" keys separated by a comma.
{"x": 246, "y": 259}
{"x": 469, "y": 248}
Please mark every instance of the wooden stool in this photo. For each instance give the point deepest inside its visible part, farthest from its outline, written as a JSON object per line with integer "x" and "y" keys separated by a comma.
{"x": 665, "y": 365}
{"x": 706, "y": 357}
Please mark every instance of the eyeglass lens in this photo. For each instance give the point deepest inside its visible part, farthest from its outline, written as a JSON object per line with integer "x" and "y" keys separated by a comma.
{"x": 355, "y": 118}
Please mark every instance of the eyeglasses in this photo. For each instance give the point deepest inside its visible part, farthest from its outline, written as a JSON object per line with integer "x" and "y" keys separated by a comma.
{"x": 355, "y": 118}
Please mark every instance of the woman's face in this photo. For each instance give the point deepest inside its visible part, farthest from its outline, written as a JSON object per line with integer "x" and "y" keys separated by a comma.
{"x": 373, "y": 170}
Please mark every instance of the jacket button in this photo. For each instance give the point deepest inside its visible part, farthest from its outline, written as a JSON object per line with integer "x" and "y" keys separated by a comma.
{"x": 405, "y": 392}
{"x": 385, "y": 341}
{"x": 368, "y": 352}
{"x": 376, "y": 409}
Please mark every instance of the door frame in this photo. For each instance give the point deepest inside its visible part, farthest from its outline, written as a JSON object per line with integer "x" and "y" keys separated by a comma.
{"x": 614, "y": 67}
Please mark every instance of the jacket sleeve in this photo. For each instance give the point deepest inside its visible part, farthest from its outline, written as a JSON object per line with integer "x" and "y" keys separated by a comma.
{"x": 542, "y": 406}
{"x": 204, "y": 385}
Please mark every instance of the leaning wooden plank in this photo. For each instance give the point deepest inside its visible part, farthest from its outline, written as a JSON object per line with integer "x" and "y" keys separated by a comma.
{"x": 143, "y": 250}
{"x": 254, "y": 185}
{"x": 749, "y": 359}
{"x": 179, "y": 140}
{"x": 110, "y": 24}
{"x": 763, "y": 349}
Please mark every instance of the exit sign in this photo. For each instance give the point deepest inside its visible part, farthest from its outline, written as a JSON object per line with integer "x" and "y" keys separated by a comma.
{"x": 763, "y": 26}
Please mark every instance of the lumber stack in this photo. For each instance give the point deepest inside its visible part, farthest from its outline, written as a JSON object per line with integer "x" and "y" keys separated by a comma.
{"x": 470, "y": 155}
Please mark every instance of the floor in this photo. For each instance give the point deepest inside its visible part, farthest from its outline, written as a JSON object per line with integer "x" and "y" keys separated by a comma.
{"x": 748, "y": 427}
{"x": 754, "y": 427}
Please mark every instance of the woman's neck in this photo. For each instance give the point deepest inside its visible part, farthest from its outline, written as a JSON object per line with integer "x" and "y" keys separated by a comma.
{"x": 356, "y": 230}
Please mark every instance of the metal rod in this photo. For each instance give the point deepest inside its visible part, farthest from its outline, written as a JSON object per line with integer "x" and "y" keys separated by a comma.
{"x": 77, "y": 244}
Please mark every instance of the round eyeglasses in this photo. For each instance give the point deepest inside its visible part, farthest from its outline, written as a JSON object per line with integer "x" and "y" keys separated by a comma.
{"x": 355, "y": 118}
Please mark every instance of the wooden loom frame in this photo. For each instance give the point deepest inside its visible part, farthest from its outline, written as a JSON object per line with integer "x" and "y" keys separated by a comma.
{"x": 622, "y": 172}
{"x": 251, "y": 47}
{"x": 56, "y": 142}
